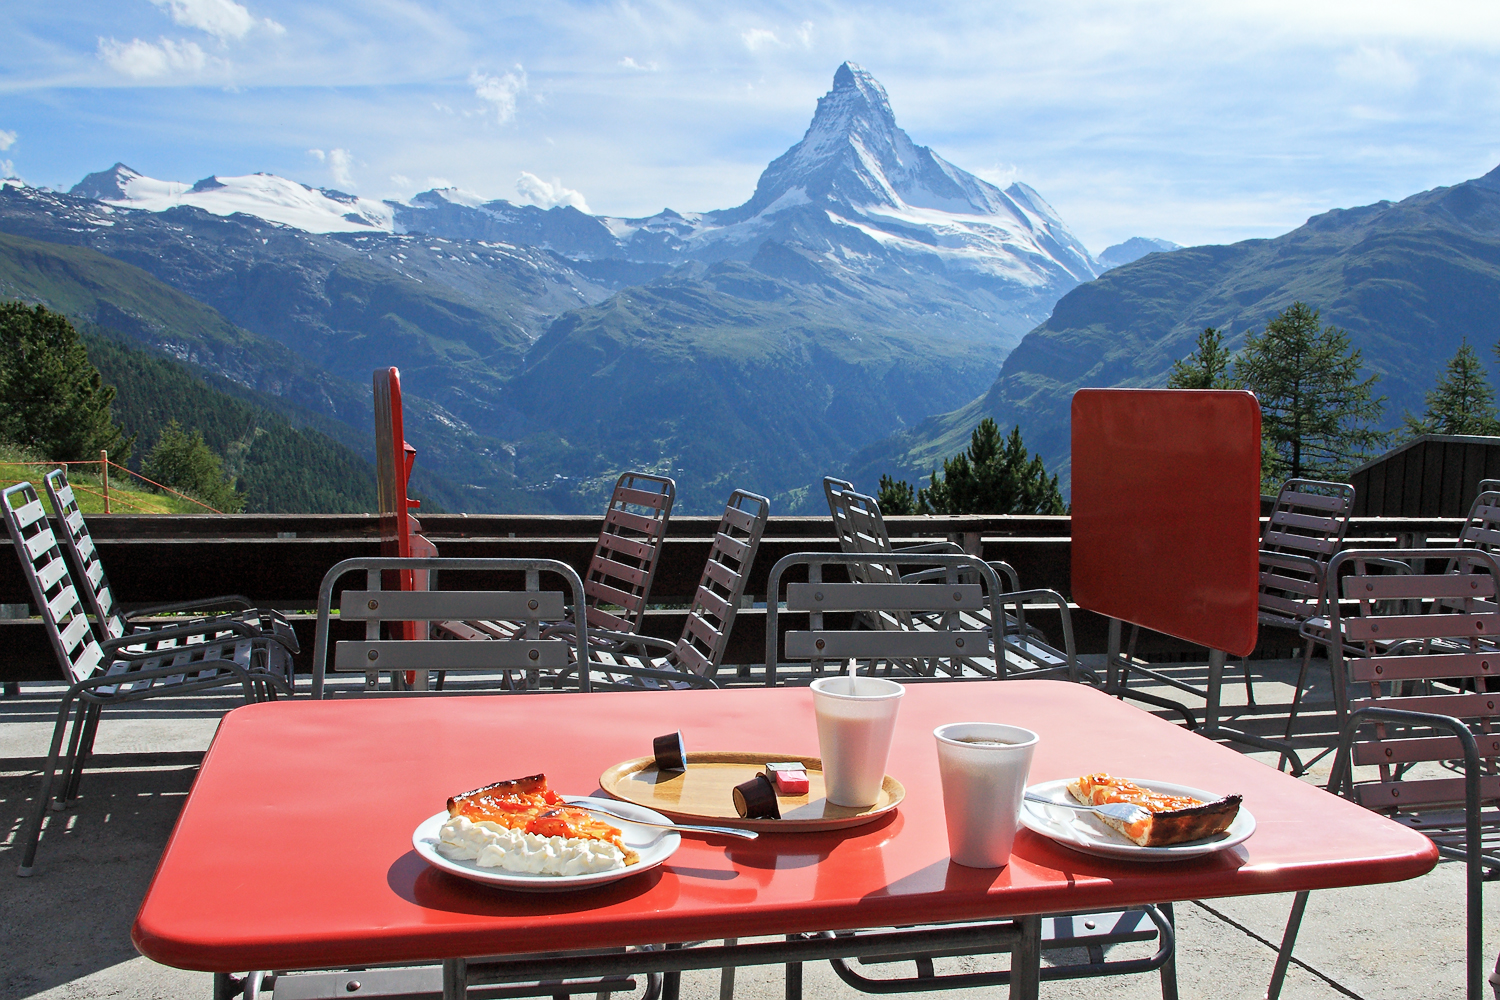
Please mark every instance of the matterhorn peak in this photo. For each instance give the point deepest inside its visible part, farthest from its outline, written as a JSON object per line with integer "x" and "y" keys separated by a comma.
{"x": 857, "y": 99}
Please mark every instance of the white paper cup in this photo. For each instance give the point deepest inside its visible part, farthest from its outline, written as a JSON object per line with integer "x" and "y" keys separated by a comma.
{"x": 856, "y": 717}
{"x": 983, "y": 784}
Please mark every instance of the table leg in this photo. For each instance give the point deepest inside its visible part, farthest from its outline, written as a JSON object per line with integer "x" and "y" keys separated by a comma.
{"x": 671, "y": 982}
{"x": 793, "y": 975}
{"x": 455, "y": 978}
{"x": 1169, "y": 967}
{"x": 1026, "y": 961}
{"x": 726, "y": 974}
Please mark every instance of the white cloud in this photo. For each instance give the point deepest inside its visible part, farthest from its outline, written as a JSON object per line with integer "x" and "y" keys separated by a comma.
{"x": 7, "y": 140}
{"x": 758, "y": 38}
{"x": 544, "y": 195}
{"x": 401, "y": 180}
{"x": 1380, "y": 67}
{"x": 500, "y": 91}
{"x": 629, "y": 63}
{"x": 7, "y": 168}
{"x": 805, "y": 34}
{"x": 339, "y": 161}
{"x": 224, "y": 19}
{"x": 143, "y": 60}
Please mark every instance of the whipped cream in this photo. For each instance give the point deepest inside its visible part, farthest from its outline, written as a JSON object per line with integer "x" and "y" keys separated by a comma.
{"x": 491, "y": 845}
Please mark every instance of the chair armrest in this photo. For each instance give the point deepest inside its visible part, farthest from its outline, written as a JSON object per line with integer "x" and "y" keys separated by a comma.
{"x": 238, "y": 601}
{"x": 210, "y": 629}
{"x": 1018, "y": 597}
{"x": 948, "y": 547}
{"x": 660, "y": 673}
{"x": 619, "y": 639}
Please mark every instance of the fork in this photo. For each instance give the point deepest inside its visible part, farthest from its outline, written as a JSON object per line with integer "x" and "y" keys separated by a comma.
{"x": 1125, "y": 812}
{"x": 681, "y": 827}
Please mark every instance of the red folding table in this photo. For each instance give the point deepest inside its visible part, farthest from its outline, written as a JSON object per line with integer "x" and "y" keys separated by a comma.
{"x": 293, "y": 850}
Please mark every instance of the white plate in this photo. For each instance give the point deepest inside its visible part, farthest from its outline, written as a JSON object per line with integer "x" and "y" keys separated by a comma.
{"x": 653, "y": 845}
{"x": 1086, "y": 832}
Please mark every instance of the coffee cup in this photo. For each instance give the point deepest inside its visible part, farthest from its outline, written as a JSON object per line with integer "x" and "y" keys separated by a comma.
{"x": 856, "y": 718}
{"x": 983, "y": 766}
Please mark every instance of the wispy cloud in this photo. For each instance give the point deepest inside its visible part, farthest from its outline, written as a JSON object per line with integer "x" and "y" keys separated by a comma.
{"x": 7, "y": 140}
{"x": 759, "y": 38}
{"x": 223, "y": 19}
{"x": 144, "y": 60}
{"x": 339, "y": 163}
{"x": 544, "y": 195}
{"x": 500, "y": 91}
{"x": 629, "y": 63}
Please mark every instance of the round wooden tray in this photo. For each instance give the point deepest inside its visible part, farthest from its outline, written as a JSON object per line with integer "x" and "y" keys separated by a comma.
{"x": 702, "y": 792}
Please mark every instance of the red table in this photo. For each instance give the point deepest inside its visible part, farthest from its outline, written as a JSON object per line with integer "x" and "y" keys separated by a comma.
{"x": 294, "y": 848}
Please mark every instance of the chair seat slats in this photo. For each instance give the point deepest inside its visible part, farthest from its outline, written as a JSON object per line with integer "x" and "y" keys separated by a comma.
{"x": 1388, "y": 628}
{"x": 1412, "y": 794}
{"x": 1412, "y": 586}
{"x": 436, "y": 654}
{"x": 1411, "y": 750}
{"x": 607, "y": 568}
{"x": 1463, "y": 706}
{"x": 884, "y": 596}
{"x": 1423, "y": 666}
{"x": 883, "y": 645}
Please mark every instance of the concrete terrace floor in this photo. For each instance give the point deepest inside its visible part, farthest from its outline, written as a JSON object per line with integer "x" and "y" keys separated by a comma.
{"x": 65, "y": 933}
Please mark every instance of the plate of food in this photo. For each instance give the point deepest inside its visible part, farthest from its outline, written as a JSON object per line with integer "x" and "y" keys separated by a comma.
{"x": 1179, "y": 821}
{"x": 521, "y": 835}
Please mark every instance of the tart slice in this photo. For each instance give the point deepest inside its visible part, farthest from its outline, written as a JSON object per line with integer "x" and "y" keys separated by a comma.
{"x": 528, "y": 805}
{"x": 1169, "y": 819}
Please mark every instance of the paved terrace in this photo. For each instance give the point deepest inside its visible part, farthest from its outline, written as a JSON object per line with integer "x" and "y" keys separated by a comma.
{"x": 64, "y": 933}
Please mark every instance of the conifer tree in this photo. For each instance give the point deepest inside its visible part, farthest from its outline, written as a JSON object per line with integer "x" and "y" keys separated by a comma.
{"x": 182, "y": 461}
{"x": 52, "y": 399}
{"x": 1316, "y": 411}
{"x": 988, "y": 478}
{"x": 1206, "y": 368}
{"x": 1462, "y": 402}
{"x": 896, "y": 497}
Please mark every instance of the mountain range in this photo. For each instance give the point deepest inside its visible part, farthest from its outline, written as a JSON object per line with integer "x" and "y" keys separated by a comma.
{"x": 1409, "y": 281}
{"x": 866, "y": 285}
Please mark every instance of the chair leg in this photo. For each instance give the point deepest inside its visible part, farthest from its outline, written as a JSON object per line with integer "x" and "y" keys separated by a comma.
{"x": 1291, "y": 719}
{"x": 1284, "y": 955}
{"x": 1168, "y": 970}
{"x": 85, "y": 751}
{"x": 75, "y": 740}
{"x": 1249, "y": 684}
{"x": 44, "y": 794}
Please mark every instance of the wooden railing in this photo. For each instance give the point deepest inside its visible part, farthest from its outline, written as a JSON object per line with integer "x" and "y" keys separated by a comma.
{"x": 279, "y": 560}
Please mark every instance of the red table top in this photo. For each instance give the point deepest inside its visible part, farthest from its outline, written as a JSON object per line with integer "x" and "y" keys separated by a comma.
{"x": 294, "y": 848}
{"x": 1166, "y": 511}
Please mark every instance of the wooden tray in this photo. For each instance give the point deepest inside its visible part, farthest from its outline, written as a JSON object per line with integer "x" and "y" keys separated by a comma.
{"x": 702, "y": 792}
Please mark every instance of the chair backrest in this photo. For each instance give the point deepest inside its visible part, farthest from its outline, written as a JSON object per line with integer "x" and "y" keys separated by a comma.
{"x": 941, "y": 647}
{"x": 720, "y": 589}
{"x": 96, "y": 594}
{"x": 46, "y": 572}
{"x": 1306, "y": 527}
{"x": 860, "y": 528}
{"x": 1436, "y": 663}
{"x": 1482, "y": 527}
{"x": 624, "y": 562}
{"x": 377, "y": 606}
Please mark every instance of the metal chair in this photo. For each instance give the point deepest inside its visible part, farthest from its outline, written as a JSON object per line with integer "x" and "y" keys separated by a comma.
{"x": 950, "y": 606}
{"x": 99, "y": 598}
{"x": 525, "y": 650}
{"x": 1413, "y": 705}
{"x": 621, "y": 570}
{"x": 861, "y": 529}
{"x": 201, "y": 655}
{"x": 694, "y": 659}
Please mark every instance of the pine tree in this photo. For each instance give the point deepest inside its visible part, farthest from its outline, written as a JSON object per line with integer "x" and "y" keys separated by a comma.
{"x": 1462, "y": 402}
{"x": 182, "y": 461}
{"x": 1206, "y": 368}
{"x": 52, "y": 399}
{"x": 990, "y": 478}
{"x": 1316, "y": 411}
{"x": 896, "y": 497}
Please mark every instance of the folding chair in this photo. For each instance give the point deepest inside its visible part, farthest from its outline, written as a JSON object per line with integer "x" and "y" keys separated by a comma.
{"x": 694, "y": 659}
{"x": 523, "y": 649}
{"x": 111, "y": 622}
{"x": 861, "y": 529}
{"x": 209, "y": 653}
{"x": 951, "y": 604}
{"x": 1410, "y": 687}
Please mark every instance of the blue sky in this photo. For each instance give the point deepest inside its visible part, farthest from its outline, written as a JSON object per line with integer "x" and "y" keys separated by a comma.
{"x": 1198, "y": 122}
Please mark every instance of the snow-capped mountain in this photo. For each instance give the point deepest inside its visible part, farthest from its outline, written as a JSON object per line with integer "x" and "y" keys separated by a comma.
{"x": 1134, "y": 249}
{"x": 265, "y": 196}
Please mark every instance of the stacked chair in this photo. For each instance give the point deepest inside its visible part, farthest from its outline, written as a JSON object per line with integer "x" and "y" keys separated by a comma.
{"x": 106, "y": 669}
{"x": 1413, "y": 655}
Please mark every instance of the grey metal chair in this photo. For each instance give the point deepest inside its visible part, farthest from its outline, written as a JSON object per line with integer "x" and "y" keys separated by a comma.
{"x": 523, "y": 651}
{"x": 1414, "y": 708}
{"x": 694, "y": 659}
{"x": 99, "y": 598}
{"x": 205, "y": 654}
{"x": 861, "y": 529}
{"x": 950, "y": 608}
